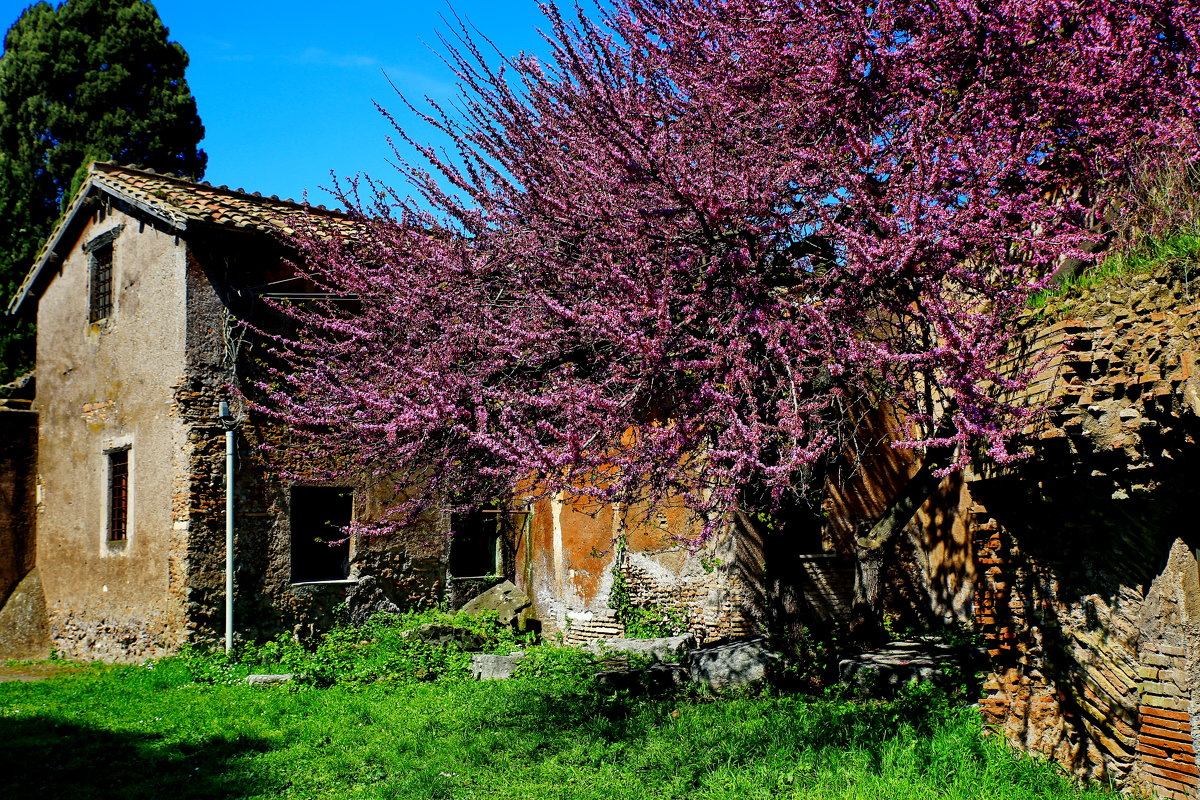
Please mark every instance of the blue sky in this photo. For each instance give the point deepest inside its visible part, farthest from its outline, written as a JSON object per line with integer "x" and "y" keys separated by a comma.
{"x": 285, "y": 89}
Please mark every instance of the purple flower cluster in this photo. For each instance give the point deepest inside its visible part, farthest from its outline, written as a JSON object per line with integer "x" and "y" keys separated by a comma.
{"x": 696, "y": 248}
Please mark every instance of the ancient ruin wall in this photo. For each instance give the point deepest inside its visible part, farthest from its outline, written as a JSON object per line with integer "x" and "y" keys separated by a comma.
{"x": 1088, "y": 584}
{"x": 571, "y": 559}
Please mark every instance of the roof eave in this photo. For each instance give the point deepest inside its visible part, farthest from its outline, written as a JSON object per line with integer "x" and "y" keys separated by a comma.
{"x": 50, "y": 254}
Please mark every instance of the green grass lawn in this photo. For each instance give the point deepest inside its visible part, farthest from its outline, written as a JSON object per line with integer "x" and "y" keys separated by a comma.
{"x": 152, "y": 732}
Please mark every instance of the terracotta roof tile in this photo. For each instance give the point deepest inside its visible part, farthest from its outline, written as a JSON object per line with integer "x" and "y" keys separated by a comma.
{"x": 181, "y": 203}
{"x": 202, "y": 202}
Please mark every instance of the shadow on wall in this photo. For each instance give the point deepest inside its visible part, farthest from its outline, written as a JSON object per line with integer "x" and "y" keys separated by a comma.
{"x": 1065, "y": 604}
{"x": 930, "y": 568}
{"x": 45, "y": 757}
{"x": 23, "y": 625}
{"x": 795, "y": 587}
{"x": 1091, "y": 535}
{"x": 799, "y": 568}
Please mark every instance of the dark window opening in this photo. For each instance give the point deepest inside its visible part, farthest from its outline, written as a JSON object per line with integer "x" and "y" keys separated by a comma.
{"x": 101, "y": 303}
{"x": 118, "y": 495}
{"x": 475, "y": 544}
{"x": 318, "y": 515}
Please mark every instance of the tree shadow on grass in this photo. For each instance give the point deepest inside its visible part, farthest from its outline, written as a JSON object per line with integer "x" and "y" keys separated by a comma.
{"x": 796, "y": 725}
{"x": 45, "y": 757}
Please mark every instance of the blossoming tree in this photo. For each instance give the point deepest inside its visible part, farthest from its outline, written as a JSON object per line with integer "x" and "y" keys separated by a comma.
{"x": 685, "y": 255}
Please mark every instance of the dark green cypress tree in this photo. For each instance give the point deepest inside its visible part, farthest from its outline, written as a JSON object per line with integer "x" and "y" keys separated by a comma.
{"x": 92, "y": 79}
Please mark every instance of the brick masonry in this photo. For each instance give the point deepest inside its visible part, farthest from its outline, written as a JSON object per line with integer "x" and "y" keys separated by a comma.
{"x": 1087, "y": 594}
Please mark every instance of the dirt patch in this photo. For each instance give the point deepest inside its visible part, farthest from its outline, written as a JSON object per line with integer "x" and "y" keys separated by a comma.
{"x": 37, "y": 671}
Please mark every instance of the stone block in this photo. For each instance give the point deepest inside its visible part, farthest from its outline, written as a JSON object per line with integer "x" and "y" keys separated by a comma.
{"x": 667, "y": 648}
{"x": 447, "y": 634}
{"x": 493, "y": 667}
{"x": 655, "y": 679}
{"x": 1169, "y": 703}
{"x": 1159, "y": 688}
{"x": 1158, "y": 660}
{"x": 269, "y": 680}
{"x": 1178, "y": 677}
{"x": 731, "y": 665}
{"x": 510, "y": 603}
{"x": 898, "y": 663}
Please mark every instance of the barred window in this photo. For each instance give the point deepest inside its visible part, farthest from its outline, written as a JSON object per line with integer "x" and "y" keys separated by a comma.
{"x": 118, "y": 495}
{"x": 101, "y": 303}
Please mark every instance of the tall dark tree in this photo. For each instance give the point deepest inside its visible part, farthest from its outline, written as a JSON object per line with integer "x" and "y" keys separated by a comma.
{"x": 91, "y": 79}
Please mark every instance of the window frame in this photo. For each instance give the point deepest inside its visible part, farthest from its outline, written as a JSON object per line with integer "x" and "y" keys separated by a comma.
{"x": 118, "y": 496}
{"x": 349, "y": 576}
{"x": 102, "y": 288}
{"x": 509, "y": 524}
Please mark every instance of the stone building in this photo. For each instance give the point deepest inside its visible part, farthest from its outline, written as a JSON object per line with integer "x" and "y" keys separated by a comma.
{"x": 138, "y": 295}
{"x": 135, "y": 296}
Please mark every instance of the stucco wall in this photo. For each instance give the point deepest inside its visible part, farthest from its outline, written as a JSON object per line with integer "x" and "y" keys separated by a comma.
{"x": 573, "y": 554}
{"x": 100, "y": 386}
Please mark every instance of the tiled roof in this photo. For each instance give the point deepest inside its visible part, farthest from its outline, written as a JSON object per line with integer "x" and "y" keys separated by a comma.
{"x": 182, "y": 204}
{"x": 188, "y": 201}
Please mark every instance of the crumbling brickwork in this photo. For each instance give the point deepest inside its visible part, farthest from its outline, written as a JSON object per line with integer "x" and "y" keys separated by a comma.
{"x": 1088, "y": 592}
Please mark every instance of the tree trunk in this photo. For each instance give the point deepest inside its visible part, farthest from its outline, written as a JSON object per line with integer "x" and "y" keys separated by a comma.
{"x": 866, "y": 623}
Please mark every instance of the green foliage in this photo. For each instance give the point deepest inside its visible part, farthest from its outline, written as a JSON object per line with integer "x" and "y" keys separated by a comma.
{"x": 384, "y": 649}
{"x": 644, "y": 621}
{"x": 652, "y": 621}
{"x": 565, "y": 670}
{"x": 810, "y": 658}
{"x": 1174, "y": 252}
{"x": 534, "y": 737}
{"x": 1162, "y": 236}
{"x": 91, "y": 79}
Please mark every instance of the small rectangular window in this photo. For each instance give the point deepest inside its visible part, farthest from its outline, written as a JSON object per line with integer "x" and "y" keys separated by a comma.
{"x": 318, "y": 514}
{"x": 475, "y": 544}
{"x": 118, "y": 495}
{"x": 101, "y": 303}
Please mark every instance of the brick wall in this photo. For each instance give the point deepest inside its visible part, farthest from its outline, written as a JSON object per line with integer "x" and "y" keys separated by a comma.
{"x": 1088, "y": 591}
{"x": 1165, "y": 748}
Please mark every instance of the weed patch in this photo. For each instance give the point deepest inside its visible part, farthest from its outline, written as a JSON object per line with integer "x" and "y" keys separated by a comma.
{"x": 383, "y": 713}
{"x": 152, "y": 731}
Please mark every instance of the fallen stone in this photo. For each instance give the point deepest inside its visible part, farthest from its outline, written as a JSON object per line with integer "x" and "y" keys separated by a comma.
{"x": 667, "y": 648}
{"x": 269, "y": 680}
{"x": 730, "y": 665}
{"x": 899, "y": 663}
{"x": 494, "y": 667}
{"x": 655, "y": 679}
{"x": 510, "y": 604}
{"x": 447, "y": 634}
